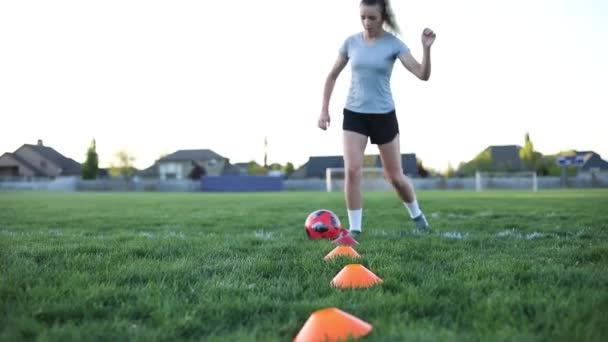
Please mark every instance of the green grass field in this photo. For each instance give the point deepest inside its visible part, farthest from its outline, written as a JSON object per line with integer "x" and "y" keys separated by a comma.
{"x": 500, "y": 266}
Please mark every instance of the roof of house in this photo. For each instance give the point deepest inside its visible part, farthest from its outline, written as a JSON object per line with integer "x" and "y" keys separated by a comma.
{"x": 592, "y": 160}
{"x": 68, "y": 166}
{"x": 316, "y": 165}
{"x": 22, "y": 162}
{"x": 408, "y": 163}
{"x": 26, "y": 163}
{"x": 187, "y": 155}
{"x": 231, "y": 170}
{"x": 150, "y": 172}
{"x": 505, "y": 156}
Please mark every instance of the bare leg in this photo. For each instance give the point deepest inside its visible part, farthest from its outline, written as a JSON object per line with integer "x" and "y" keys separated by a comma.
{"x": 393, "y": 172}
{"x": 354, "y": 147}
{"x": 391, "y": 161}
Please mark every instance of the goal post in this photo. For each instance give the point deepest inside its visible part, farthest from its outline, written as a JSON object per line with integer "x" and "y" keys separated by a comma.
{"x": 506, "y": 180}
{"x": 373, "y": 178}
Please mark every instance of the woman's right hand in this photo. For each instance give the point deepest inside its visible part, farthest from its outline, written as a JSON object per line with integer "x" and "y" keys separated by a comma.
{"x": 324, "y": 120}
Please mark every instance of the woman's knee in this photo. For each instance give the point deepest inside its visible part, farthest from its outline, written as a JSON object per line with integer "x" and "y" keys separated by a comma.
{"x": 353, "y": 173}
{"x": 396, "y": 178}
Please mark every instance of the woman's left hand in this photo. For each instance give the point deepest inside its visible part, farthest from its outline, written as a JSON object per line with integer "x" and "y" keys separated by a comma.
{"x": 428, "y": 37}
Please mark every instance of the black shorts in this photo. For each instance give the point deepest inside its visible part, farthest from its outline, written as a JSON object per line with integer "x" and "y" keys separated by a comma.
{"x": 380, "y": 128}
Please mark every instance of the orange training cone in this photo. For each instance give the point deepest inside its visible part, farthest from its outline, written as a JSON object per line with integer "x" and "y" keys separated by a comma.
{"x": 332, "y": 324}
{"x": 342, "y": 251}
{"x": 355, "y": 276}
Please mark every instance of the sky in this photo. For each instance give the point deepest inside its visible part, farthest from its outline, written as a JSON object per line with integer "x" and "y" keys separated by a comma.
{"x": 153, "y": 77}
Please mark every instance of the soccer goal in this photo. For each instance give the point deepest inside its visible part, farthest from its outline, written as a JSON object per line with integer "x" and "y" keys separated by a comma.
{"x": 373, "y": 179}
{"x": 506, "y": 180}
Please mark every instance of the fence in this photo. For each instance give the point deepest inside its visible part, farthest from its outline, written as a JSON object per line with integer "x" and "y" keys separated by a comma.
{"x": 152, "y": 185}
{"x": 245, "y": 184}
{"x": 241, "y": 183}
{"x": 465, "y": 183}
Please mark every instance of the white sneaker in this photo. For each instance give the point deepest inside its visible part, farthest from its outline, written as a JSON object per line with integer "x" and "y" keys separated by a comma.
{"x": 421, "y": 223}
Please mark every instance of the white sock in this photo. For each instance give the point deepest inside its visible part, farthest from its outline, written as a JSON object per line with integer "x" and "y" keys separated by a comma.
{"x": 354, "y": 219}
{"x": 413, "y": 208}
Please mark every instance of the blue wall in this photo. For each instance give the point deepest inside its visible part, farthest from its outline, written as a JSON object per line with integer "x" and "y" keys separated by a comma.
{"x": 241, "y": 183}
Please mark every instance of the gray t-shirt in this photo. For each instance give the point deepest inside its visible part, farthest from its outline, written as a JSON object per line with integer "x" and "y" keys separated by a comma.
{"x": 371, "y": 66}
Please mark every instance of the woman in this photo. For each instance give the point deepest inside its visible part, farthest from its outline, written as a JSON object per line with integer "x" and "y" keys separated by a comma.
{"x": 369, "y": 111}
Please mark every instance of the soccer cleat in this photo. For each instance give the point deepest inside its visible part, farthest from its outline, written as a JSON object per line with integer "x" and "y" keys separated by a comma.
{"x": 347, "y": 238}
{"x": 421, "y": 223}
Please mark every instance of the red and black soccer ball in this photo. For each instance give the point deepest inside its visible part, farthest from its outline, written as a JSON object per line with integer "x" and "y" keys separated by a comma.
{"x": 323, "y": 224}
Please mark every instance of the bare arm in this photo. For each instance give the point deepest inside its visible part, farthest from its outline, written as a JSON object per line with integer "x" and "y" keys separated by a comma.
{"x": 328, "y": 89}
{"x": 420, "y": 70}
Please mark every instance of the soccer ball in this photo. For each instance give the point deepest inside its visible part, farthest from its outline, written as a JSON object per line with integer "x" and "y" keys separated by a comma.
{"x": 322, "y": 224}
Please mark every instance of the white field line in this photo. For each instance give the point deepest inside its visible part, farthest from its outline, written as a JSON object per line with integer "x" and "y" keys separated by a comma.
{"x": 269, "y": 235}
{"x": 455, "y": 235}
{"x": 381, "y": 232}
{"x": 437, "y": 215}
{"x": 179, "y": 235}
{"x": 515, "y": 234}
{"x": 264, "y": 235}
{"x": 147, "y": 235}
{"x": 161, "y": 235}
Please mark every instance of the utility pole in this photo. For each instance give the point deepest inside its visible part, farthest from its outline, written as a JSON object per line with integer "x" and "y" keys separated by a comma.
{"x": 265, "y": 152}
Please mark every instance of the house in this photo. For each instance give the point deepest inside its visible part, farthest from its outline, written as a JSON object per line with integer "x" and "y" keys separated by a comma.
{"x": 241, "y": 168}
{"x": 150, "y": 172}
{"x": 505, "y": 158}
{"x": 496, "y": 158}
{"x": 180, "y": 164}
{"x": 409, "y": 163}
{"x": 33, "y": 161}
{"x": 315, "y": 166}
{"x": 592, "y": 162}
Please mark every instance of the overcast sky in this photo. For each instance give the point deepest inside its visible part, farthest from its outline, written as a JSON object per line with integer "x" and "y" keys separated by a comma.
{"x": 153, "y": 77}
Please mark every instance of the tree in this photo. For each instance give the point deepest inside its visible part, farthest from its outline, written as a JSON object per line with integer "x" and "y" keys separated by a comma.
{"x": 527, "y": 155}
{"x": 124, "y": 165}
{"x": 547, "y": 166}
{"x": 254, "y": 168}
{"x": 275, "y": 167}
{"x": 482, "y": 162}
{"x": 571, "y": 170}
{"x": 163, "y": 155}
{"x": 422, "y": 172}
{"x": 91, "y": 165}
{"x": 197, "y": 171}
{"x": 265, "y": 152}
{"x": 288, "y": 169}
{"x": 369, "y": 161}
{"x": 450, "y": 172}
